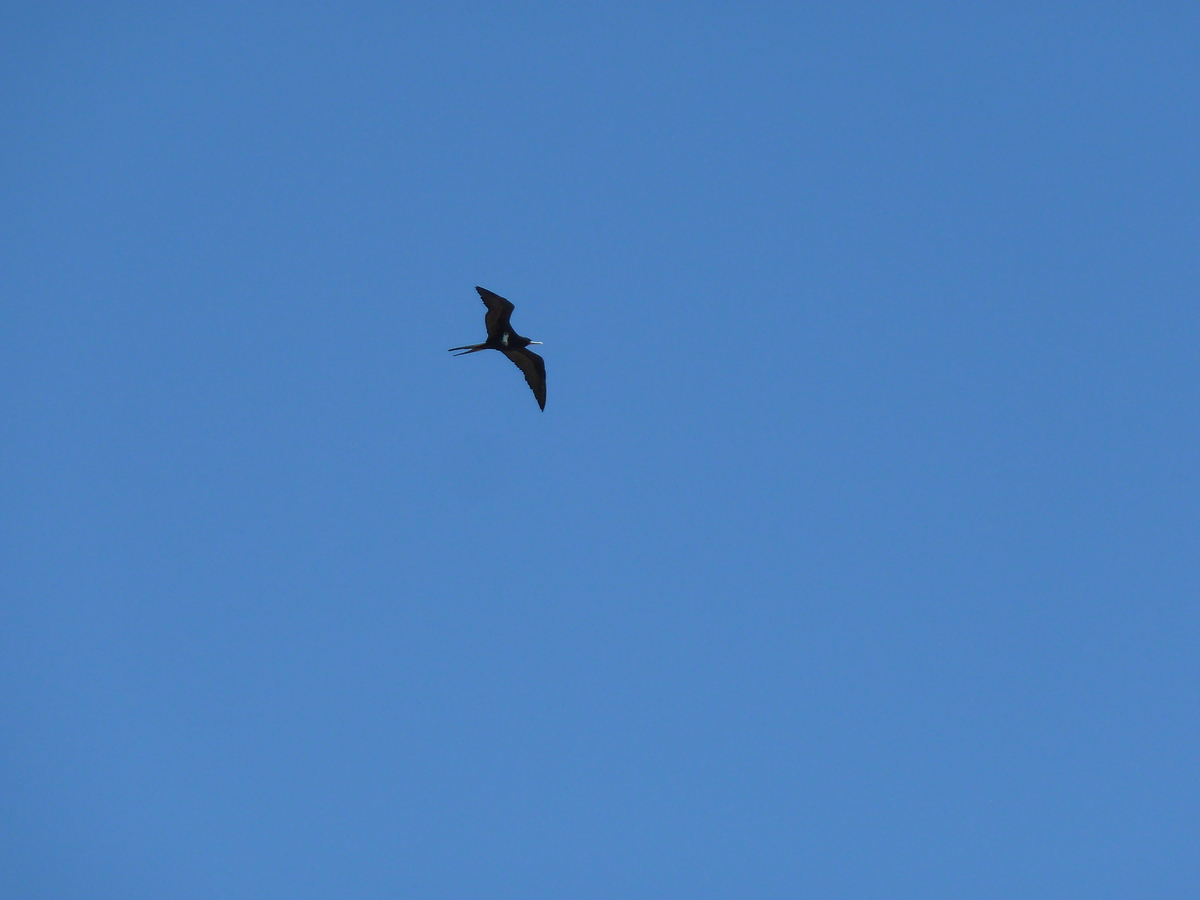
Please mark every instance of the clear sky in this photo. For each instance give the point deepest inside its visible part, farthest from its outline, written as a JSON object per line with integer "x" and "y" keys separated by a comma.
{"x": 855, "y": 555}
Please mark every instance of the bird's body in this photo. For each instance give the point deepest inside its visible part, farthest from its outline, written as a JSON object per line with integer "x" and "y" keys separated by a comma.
{"x": 500, "y": 336}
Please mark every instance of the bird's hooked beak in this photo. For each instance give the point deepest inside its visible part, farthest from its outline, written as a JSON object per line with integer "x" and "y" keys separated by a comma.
{"x": 535, "y": 342}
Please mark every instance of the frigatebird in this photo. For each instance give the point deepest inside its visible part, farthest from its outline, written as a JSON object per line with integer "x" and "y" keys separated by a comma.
{"x": 500, "y": 336}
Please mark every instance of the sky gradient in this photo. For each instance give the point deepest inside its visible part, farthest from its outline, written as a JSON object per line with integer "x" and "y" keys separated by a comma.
{"x": 855, "y": 555}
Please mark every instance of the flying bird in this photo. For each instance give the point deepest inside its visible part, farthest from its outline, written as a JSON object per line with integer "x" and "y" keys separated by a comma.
{"x": 500, "y": 336}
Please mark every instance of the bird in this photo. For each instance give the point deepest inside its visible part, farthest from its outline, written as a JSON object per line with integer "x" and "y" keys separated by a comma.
{"x": 500, "y": 336}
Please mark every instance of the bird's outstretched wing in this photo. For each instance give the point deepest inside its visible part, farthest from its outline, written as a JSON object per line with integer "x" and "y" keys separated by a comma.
{"x": 534, "y": 368}
{"x": 498, "y": 311}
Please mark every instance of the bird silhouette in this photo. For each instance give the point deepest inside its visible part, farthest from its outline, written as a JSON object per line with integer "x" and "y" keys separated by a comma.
{"x": 500, "y": 336}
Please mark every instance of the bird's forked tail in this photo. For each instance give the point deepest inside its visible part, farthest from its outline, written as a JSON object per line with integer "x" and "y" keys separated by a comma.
{"x": 470, "y": 348}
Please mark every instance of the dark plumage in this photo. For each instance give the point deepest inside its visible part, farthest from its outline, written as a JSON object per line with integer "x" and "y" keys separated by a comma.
{"x": 500, "y": 336}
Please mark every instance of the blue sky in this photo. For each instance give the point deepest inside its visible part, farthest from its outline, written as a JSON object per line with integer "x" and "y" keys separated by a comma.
{"x": 855, "y": 554}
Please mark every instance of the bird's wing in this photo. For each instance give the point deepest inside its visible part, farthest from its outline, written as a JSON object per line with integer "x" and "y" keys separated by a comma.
{"x": 534, "y": 368}
{"x": 498, "y": 311}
